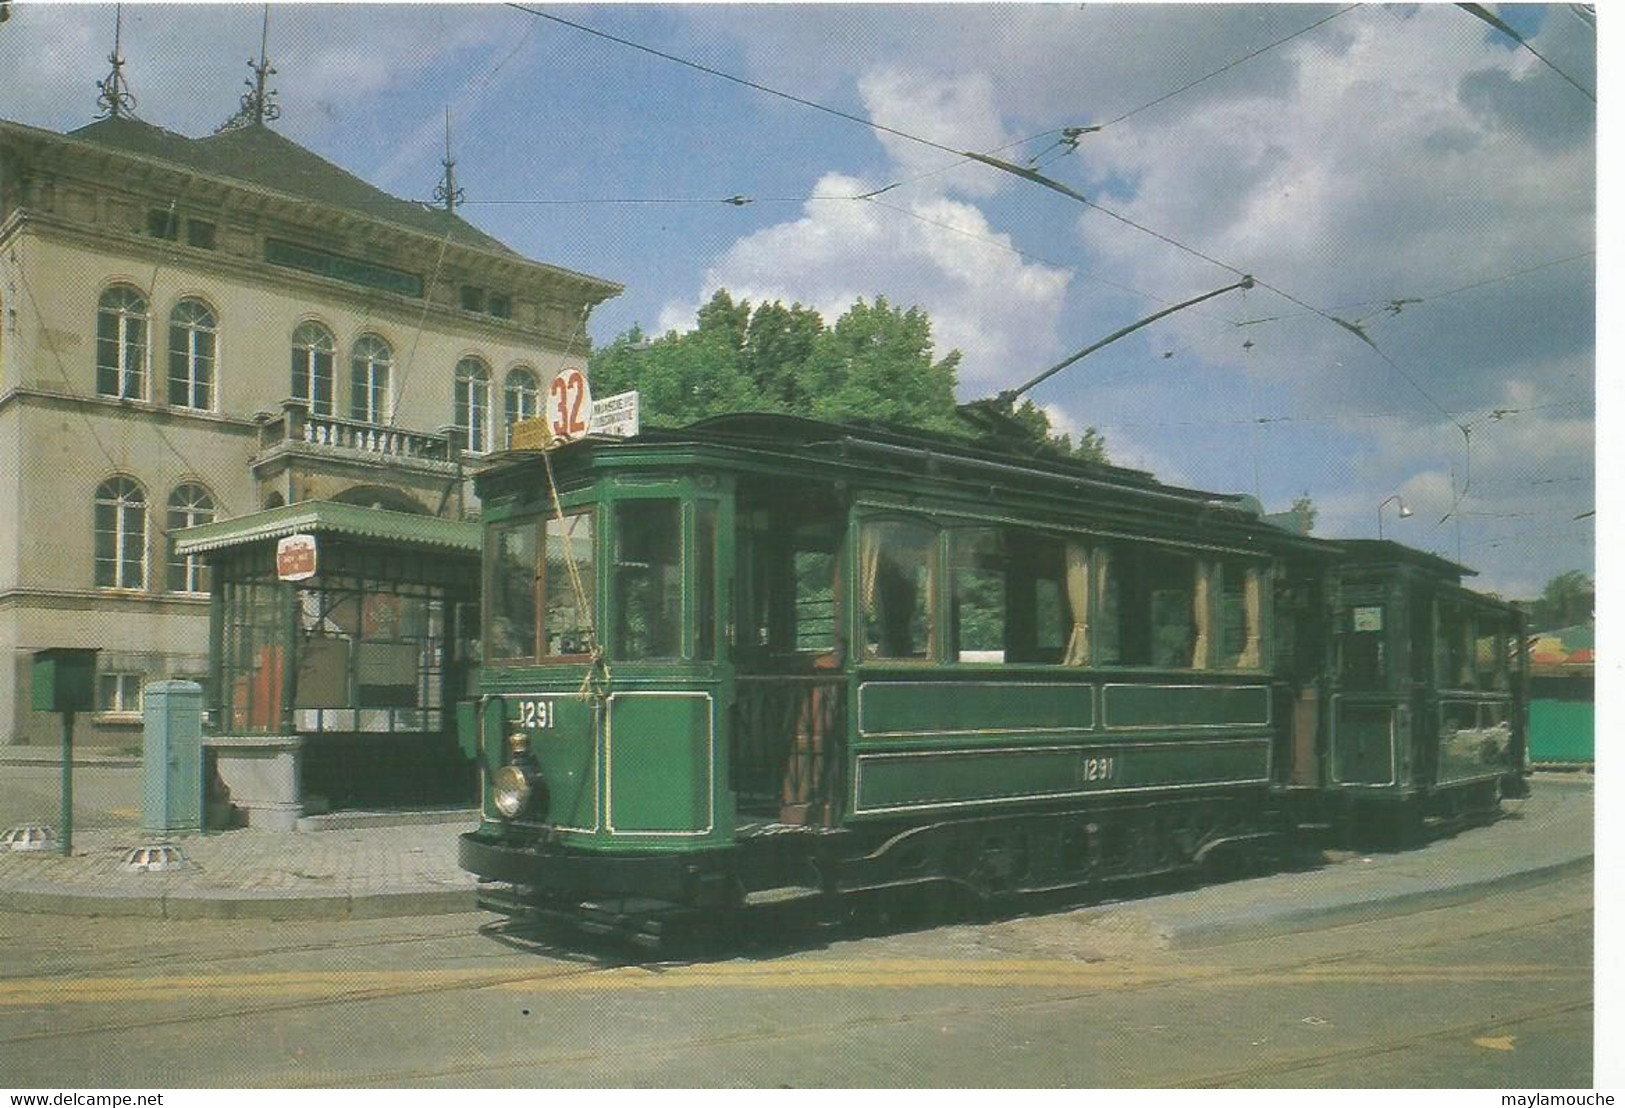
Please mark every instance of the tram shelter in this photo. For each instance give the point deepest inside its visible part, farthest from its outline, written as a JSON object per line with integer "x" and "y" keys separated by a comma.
{"x": 334, "y": 685}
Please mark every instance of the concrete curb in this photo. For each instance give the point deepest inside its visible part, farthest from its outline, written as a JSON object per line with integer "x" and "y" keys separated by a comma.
{"x": 233, "y": 904}
{"x": 1242, "y": 925}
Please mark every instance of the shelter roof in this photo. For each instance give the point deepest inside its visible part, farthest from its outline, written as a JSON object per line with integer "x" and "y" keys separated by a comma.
{"x": 328, "y": 517}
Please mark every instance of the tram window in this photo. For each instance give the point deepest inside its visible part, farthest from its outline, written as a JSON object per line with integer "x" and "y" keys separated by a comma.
{"x": 899, "y": 582}
{"x": 1149, "y": 607}
{"x": 567, "y": 610}
{"x": 1491, "y": 653}
{"x": 511, "y": 592}
{"x": 648, "y": 584}
{"x": 1455, "y": 639}
{"x": 980, "y": 612}
{"x": 790, "y": 572}
{"x": 1363, "y": 648}
{"x": 815, "y": 600}
{"x": 1240, "y": 614}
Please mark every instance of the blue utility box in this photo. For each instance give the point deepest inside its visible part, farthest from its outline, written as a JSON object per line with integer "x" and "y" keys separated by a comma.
{"x": 172, "y": 756}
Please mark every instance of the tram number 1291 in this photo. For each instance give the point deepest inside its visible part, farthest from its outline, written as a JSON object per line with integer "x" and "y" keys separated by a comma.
{"x": 1092, "y": 769}
{"x": 536, "y": 714}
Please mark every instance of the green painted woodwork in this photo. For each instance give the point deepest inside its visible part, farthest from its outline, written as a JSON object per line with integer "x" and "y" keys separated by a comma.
{"x": 1562, "y": 730}
{"x": 561, "y": 729}
{"x": 936, "y": 707}
{"x": 661, "y": 763}
{"x": 1127, "y": 706}
{"x": 1363, "y": 744}
{"x": 891, "y": 781}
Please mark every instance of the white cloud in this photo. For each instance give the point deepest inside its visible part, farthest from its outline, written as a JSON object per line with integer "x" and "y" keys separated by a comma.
{"x": 940, "y": 254}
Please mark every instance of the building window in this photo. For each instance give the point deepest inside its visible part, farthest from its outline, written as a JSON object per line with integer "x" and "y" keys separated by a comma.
{"x": 118, "y": 693}
{"x": 121, "y": 535}
{"x": 121, "y": 344}
{"x": 371, "y": 361}
{"x": 162, "y": 223}
{"x": 192, "y": 331}
{"x": 473, "y": 298}
{"x": 313, "y": 367}
{"x": 189, "y": 505}
{"x": 522, "y": 398}
{"x": 473, "y": 415}
{"x": 500, "y": 305}
{"x": 200, "y": 233}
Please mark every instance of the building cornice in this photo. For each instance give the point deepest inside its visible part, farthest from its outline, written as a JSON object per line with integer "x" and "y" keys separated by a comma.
{"x": 99, "y": 600}
{"x": 68, "y": 157}
{"x": 408, "y": 311}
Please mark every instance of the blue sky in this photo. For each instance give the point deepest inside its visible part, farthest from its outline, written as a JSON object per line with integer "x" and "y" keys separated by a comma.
{"x": 1405, "y": 168}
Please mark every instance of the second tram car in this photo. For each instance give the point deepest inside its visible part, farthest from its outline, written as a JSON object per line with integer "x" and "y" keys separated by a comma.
{"x": 764, "y": 659}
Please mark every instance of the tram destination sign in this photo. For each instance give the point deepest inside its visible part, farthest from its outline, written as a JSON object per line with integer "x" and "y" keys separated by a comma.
{"x": 296, "y": 557}
{"x": 612, "y": 416}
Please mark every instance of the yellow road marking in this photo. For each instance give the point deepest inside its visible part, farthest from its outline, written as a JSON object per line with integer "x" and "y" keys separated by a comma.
{"x": 1498, "y": 1042}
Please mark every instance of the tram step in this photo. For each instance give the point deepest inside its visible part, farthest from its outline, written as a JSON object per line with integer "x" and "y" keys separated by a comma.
{"x": 785, "y": 894}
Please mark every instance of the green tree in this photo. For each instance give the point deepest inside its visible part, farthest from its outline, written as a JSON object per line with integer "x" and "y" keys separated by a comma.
{"x": 877, "y": 363}
{"x": 1567, "y": 599}
{"x": 1304, "y": 509}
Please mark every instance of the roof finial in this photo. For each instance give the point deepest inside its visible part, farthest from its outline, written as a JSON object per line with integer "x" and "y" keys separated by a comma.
{"x": 115, "y": 99}
{"x": 446, "y": 193}
{"x": 257, "y": 107}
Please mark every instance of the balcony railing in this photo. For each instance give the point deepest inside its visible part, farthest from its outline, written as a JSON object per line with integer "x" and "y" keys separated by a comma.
{"x": 296, "y": 424}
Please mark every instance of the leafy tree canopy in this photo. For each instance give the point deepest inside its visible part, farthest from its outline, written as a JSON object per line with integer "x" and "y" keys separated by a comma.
{"x": 1568, "y": 599}
{"x": 877, "y": 362}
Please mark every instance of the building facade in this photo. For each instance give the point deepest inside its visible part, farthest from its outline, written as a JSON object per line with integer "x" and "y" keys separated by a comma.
{"x": 197, "y": 329}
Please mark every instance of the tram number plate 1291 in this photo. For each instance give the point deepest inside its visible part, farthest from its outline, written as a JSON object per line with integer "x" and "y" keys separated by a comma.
{"x": 537, "y": 714}
{"x": 1093, "y": 768}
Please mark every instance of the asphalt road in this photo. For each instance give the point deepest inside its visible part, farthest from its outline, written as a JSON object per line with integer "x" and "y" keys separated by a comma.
{"x": 1494, "y": 990}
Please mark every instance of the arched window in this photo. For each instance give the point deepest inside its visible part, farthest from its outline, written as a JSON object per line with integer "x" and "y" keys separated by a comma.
{"x": 371, "y": 361}
{"x": 192, "y": 331}
{"x": 121, "y": 344}
{"x": 473, "y": 415}
{"x": 521, "y": 397}
{"x": 121, "y": 535}
{"x": 313, "y": 367}
{"x": 189, "y": 505}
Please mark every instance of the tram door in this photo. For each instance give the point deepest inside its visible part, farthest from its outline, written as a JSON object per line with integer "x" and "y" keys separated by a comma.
{"x": 1367, "y": 713}
{"x": 667, "y": 714}
{"x": 788, "y": 753}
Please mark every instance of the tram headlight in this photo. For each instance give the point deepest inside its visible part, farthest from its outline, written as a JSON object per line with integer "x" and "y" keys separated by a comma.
{"x": 510, "y": 791}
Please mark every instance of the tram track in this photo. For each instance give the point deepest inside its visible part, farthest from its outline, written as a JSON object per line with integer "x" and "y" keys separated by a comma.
{"x": 1114, "y": 977}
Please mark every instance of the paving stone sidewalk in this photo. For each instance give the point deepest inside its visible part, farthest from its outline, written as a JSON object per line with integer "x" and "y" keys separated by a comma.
{"x": 396, "y": 864}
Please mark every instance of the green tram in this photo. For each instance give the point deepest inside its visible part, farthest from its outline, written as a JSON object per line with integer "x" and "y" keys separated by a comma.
{"x": 763, "y": 660}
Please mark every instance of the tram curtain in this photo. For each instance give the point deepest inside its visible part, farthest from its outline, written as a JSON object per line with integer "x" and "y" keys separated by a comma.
{"x": 1077, "y": 595}
{"x": 1250, "y": 658}
{"x": 1203, "y": 613}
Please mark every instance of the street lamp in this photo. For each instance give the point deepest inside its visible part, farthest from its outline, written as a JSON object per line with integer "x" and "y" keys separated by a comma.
{"x": 1404, "y": 510}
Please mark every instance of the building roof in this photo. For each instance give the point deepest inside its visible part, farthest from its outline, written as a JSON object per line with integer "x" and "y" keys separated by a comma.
{"x": 328, "y": 517}
{"x": 258, "y": 155}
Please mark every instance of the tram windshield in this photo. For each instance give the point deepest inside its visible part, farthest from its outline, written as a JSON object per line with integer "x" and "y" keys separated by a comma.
{"x": 540, "y": 581}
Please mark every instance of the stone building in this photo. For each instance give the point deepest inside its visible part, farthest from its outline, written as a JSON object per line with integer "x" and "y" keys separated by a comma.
{"x": 194, "y": 329}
